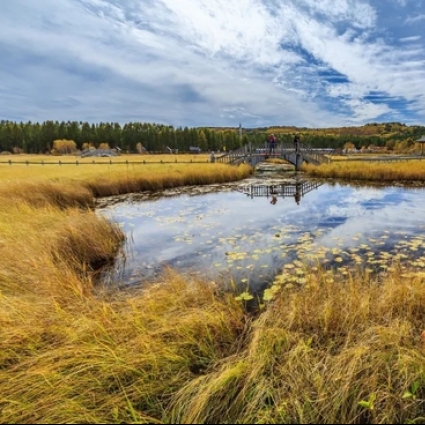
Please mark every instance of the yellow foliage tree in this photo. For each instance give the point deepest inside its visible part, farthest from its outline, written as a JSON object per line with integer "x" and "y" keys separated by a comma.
{"x": 63, "y": 146}
{"x": 88, "y": 145}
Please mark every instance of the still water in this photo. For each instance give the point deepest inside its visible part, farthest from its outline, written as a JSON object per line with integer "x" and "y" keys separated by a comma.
{"x": 248, "y": 232}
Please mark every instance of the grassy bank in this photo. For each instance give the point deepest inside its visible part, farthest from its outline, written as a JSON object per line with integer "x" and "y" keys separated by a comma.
{"x": 334, "y": 350}
{"x": 410, "y": 171}
{"x": 50, "y": 243}
{"x": 331, "y": 351}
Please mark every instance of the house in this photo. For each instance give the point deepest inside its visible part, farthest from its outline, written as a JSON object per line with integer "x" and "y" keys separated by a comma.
{"x": 421, "y": 141}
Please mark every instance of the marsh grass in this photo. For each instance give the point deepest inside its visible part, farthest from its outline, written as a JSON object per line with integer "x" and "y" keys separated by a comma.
{"x": 130, "y": 158}
{"x": 333, "y": 350}
{"x": 116, "y": 360}
{"x": 318, "y": 354}
{"x": 68, "y": 351}
{"x": 413, "y": 171}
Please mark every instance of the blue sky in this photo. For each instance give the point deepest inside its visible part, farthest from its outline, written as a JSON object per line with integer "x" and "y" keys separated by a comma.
{"x": 308, "y": 63}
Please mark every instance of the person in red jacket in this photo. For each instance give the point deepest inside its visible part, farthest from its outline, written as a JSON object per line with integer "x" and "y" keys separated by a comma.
{"x": 272, "y": 144}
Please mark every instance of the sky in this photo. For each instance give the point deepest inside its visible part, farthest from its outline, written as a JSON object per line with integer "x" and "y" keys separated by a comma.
{"x": 258, "y": 63}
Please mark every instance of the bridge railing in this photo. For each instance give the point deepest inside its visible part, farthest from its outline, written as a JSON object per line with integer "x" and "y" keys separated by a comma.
{"x": 317, "y": 156}
{"x": 282, "y": 149}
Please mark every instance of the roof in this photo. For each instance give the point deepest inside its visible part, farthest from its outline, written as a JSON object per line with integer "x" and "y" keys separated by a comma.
{"x": 422, "y": 139}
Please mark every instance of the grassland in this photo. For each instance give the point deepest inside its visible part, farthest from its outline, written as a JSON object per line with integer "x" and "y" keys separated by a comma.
{"x": 121, "y": 159}
{"x": 406, "y": 171}
{"x": 182, "y": 351}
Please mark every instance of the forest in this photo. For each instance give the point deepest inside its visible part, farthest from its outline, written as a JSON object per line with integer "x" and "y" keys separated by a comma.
{"x": 133, "y": 137}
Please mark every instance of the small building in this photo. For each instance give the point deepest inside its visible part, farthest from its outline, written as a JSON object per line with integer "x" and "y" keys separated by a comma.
{"x": 421, "y": 141}
{"x": 194, "y": 149}
{"x": 98, "y": 153}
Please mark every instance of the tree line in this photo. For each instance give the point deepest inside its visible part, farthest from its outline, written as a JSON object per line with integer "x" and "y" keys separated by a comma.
{"x": 40, "y": 137}
{"x": 29, "y": 137}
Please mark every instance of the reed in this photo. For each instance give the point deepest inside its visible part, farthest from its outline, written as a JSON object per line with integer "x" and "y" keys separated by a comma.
{"x": 112, "y": 359}
{"x": 124, "y": 158}
{"x": 71, "y": 351}
{"x": 410, "y": 171}
{"x": 180, "y": 350}
{"x": 332, "y": 351}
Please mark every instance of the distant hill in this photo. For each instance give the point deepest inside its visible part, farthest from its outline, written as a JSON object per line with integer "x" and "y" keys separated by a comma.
{"x": 392, "y": 135}
{"x": 384, "y": 130}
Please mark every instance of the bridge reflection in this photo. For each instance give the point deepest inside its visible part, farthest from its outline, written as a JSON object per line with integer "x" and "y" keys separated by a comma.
{"x": 296, "y": 189}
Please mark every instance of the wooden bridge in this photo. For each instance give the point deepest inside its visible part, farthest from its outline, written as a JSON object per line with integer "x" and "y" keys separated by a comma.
{"x": 296, "y": 189}
{"x": 255, "y": 153}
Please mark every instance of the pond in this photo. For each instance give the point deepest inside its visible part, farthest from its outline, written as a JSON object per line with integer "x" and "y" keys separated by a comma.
{"x": 245, "y": 233}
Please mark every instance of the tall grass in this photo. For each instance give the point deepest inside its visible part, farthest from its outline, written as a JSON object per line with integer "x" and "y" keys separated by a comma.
{"x": 70, "y": 352}
{"x": 330, "y": 352}
{"x": 181, "y": 350}
{"x": 413, "y": 171}
{"x": 116, "y": 360}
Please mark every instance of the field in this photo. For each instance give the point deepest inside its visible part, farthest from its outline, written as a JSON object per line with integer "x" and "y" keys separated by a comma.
{"x": 332, "y": 350}
{"x": 407, "y": 171}
{"x": 121, "y": 159}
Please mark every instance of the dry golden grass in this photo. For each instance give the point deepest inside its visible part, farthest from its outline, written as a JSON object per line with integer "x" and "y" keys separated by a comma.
{"x": 181, "y": 350}
{"x": 359, "y": 170}
{"x": 73, "y": 159}
{"x": 330, "y": 352}
{"x": 111, "y": 361}
{"x": 104, "y": 180}
{"x": 70, "y": 353}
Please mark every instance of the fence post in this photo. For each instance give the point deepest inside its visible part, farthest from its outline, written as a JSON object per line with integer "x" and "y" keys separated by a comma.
{"x": 10, "y": 162}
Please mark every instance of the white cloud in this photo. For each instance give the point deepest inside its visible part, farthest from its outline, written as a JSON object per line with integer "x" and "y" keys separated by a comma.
{"x": 409, "y": 39}
{"x": 205, "y": 62}
{"x": 417, "y": 18}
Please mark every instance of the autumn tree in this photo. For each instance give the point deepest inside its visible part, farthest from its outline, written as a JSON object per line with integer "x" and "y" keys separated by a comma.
{"x": 64, "y": 146}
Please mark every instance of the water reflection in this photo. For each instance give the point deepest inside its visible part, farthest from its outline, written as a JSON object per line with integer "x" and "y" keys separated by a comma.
{"x": 296, "y": 189}
{"x": 232, "y": 234}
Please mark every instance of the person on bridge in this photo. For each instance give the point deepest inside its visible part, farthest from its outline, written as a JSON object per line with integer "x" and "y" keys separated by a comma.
{"x": 296, "y": 142}
{"x": 272, "y": 144}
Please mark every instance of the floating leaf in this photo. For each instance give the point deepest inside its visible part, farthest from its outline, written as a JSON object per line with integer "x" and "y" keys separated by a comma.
{"x": 245, "y": 296}
{"x": 268, "y": 295}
